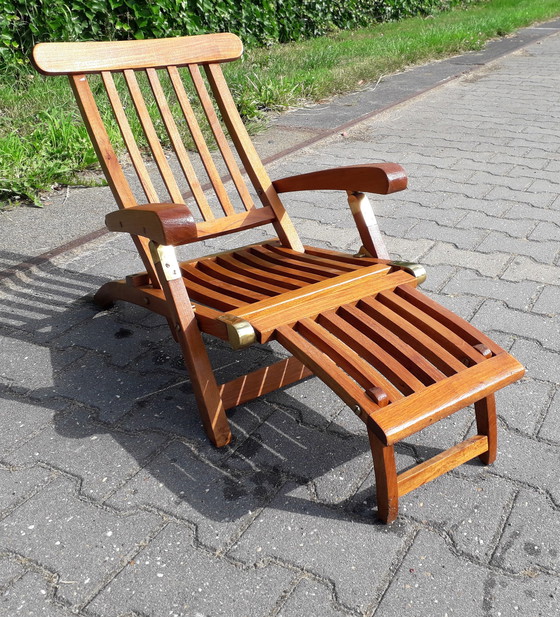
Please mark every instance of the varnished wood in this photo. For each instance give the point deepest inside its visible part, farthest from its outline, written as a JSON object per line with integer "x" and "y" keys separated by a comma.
{"x": 94, "y": 57}
{"x": 398, "y": 359}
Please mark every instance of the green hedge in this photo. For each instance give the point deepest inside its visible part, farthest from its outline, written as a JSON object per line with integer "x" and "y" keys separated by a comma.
{"x": 259, "y": 22}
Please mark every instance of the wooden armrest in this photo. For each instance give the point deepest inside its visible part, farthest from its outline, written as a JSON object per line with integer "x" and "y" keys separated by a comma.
{"x": 383, "y": 178}
{"x": 169, "y": 224}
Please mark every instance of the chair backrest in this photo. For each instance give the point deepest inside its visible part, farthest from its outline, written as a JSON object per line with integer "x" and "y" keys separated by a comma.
{"x": 153, "y": 71}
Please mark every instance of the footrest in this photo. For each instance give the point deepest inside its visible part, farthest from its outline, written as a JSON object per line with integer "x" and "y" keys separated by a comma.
{"x": 400, "y": 360}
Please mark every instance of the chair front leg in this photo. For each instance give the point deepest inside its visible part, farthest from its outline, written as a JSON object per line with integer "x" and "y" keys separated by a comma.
{"x": 386, "y": 485}
{"x": 487, "y": 424}
{"x": 183, "y": 321}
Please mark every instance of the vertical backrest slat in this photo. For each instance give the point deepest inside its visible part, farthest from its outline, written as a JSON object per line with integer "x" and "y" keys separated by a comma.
{"x": 199, "y": 140}
{"x": 220, "y": 138}
{"x": 178, "y": 146}
{"x": 249, "y": 156}
{"x": 152, "y": 137}
{"x": 101, "y": 143}
{"x": 128, "y": 137}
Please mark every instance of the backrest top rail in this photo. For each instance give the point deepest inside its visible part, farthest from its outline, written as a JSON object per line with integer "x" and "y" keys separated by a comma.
{"x": 96, "y": 56}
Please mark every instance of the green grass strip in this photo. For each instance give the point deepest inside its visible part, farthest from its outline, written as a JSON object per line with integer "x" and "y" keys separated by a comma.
{"x": 43, "y": 143}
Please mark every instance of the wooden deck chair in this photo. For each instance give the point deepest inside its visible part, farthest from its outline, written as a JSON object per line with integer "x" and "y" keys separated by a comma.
{"x": 398, "y": 359}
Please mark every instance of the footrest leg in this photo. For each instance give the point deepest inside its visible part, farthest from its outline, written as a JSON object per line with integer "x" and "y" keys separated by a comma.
{"x": 486, "y": 423}
{"x": 386, "y": 485}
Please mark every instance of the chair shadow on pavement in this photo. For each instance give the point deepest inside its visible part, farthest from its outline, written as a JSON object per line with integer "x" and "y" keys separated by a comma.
{"x": 104, "y": 397}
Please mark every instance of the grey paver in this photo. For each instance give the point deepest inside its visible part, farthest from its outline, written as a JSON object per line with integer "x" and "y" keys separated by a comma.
{"x": 310, "y": 593}
{"x": 84, "y": 545}
{"x": 531, "y": 540}
{"x": 171, "y": 577}
{"x": 102, "y": 459}
{"x": 335, "y": 548}
{"x": 18, "y": 485}
{"x": 550, "y": 429}
{"x": 487, "y": 265}
{"x": 9, "y": 571}
{"x": 29, "y": 596}
{"x": 548, "y": 302}
{"x": 522, "y": 404}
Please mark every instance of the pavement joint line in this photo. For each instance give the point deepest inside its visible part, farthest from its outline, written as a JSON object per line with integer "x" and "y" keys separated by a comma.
{"x": 81, "y": 241}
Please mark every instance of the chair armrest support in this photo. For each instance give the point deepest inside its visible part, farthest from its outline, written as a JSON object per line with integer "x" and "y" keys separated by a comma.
{"x": 382, "y": 178}
{"x": 168, "y": 224}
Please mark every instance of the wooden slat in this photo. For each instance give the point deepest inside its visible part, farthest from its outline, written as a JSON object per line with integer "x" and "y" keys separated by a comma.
{"x": 269, "y": 314}
{"x": 219, "y": 273}
{"x": 346, "y": 358}
{"x": 398, "y": 349}
{"x": 230, "y": 262}
{"x": 152, "y": 137}
{"x": 312, "y": 259}
{"x": 300, "y": 265}
{"x": 441, "y": 463}
{"x": 440, "y": 400}
{"x": 322, "y": 366}
{"x": 250, "y": 159}
{"x": 373, "y": 353}
{"x": 234, "y": 290}
{"x": 277, "y": 270}
{"x": 67, "y": 58}
{"x": 446, "y": 362}
{"x": 455, "y": 323}
{"x": 221, "y": 140}
{"x": 432, "y": 327}
{"x": 128, "y": 138}
{"x": 262, "y": 381}
{"x": 216, "y": 299}
{"x": 344, "y": 257}
{"x": 199, "y": 140}
{"x": 178, "y": 146}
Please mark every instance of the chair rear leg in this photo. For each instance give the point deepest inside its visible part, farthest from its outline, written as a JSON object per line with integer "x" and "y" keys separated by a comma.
{"x": 385, "y": 479}
{"x": 486, "y": 423}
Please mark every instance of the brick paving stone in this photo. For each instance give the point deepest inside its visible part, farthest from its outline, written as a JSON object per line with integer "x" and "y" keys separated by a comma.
{"x": 9, "y": 571}
{"x": 487, "y": 265}
{"x": 524, "y": 268}
{"x": 353, "y": 555}
{"x": 460, "y": 238}
{"x": 20, "y": 420}
{"x": 545, "y": 232}
{"x": 470, "y": 510}
{"x": 336, "y": 462}
{"x": 464, "y": 306}
{"x": 29, "y": 597}
{"x": 438, "y": 277}
{"x": 16, "y": 486}
{"x": 548, "y": 302}
{"x": 93, "y": 382}
{"x": 515, "y": 294}
{"x": 407, "y": 249}
{"x": 102, "y": 459}
{"x": 522, "y": 404}
{"x": 539, "y": 200}
{"x": 73, "y": 539}
{"x": 542, "y": 362}
{"x": 308, "y": 594}
{"x": 433, "y": 580}
{"x": 512, "y": 227}
{"x": 544, "y": 252}
{"x": 217, "y": 499}
{"x": 550, "y": 429}
{"x": 531, "y": 539}
{"x": 522, "y": 211}
{"x": 541, "y": 328}
{"x": 172, "y": 577}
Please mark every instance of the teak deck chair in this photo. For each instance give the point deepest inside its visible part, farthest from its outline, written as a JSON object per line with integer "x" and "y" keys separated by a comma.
{"x": 398, "y": 359}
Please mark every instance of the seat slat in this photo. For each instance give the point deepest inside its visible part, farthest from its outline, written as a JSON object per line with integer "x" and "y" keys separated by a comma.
{"x": 346, "y": 358}
{"x": 461, "y": 327}
{"x": 433, "y": 328}
{"x": 152, "y": 137}
{"x": 299, "y": 264}
{"x": 446, "y": 362}
{"x": 214, "y": 299}
{"x": 214, "y": 269}
{"x": 237, "y": 290}
{"x": 401, "y": 351}
{"x": 373, "y": 353}
{"x": 311, "y": 259}
{"x": 278, "y": 270}
{"x": 231, "y": 262}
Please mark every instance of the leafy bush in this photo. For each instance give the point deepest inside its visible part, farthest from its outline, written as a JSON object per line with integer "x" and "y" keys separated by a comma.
{"x": 259, "y": 22}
